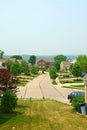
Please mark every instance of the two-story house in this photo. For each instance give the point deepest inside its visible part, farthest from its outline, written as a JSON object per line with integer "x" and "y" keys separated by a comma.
{"x": 44, "y": 63}
{"x": 66, "y": 64}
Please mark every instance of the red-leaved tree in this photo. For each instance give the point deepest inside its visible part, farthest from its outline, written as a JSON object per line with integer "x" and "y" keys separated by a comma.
{"x": 7, "y": 81}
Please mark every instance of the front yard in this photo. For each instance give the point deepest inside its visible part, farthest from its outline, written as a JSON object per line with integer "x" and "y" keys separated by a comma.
{"x": 43, "y": 115}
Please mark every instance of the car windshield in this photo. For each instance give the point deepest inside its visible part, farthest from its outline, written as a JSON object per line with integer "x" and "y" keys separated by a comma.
{"x": 77, "y": 93}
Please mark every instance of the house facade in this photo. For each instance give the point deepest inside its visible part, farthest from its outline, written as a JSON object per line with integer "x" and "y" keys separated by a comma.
{"x": 66, "y": 64}
{"x": 3, "y": 62}
{"x": 44, "y": 63}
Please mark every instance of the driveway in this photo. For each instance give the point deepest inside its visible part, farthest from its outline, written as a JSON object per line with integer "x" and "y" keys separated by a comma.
{"x": 42, "y": 87}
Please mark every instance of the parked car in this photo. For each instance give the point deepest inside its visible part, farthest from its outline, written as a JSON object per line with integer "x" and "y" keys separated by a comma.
{"x": 75, "y": 94}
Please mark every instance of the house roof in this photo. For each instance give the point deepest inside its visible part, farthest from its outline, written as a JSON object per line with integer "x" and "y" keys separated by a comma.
{"x": 72, "y": 61}
{"x": 65, "y": 63}
{"x": 46, "y": 60}
{"x": 4, "y": 60}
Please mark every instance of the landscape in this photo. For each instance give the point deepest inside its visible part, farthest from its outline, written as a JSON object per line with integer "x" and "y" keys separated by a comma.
{"x": 43, "y": 65}
{"x": 41, "y": 88}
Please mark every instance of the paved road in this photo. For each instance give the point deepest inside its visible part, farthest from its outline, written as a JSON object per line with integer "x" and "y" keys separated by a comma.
{"x": 42, "y": 86}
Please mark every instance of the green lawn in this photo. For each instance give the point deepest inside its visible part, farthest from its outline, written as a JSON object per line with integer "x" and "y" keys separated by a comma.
{"x": 22, "y": 83}
{"x": 71, "y": 81}
{"x": 43, "y": 115}
{"x": 81, "y": 87}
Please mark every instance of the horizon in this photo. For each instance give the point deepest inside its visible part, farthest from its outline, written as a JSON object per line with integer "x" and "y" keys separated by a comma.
{"x": 26, "y": 57}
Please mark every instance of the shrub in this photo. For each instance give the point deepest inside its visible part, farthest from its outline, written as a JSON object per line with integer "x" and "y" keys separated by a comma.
{"x": 54, "y": 82}
{"x": 53, "y": 72}
{"x": 8, "y": 101}
{"x": 76, "y": 101}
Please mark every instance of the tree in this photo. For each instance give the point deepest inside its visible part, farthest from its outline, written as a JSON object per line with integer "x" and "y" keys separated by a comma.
{"x": 8, "y": 87}
{"x": 24, "y": 66}
{"x": 53, "y": 72}
{"x": 80, "y": 66}
{"x": 9, "y": 64}
{"x": 16, "y": 69}
{"x": 18, "y": 57}
{"x": 33, "y": 70}
{"x": 32, "y": 59}
{"x": 58, "y": 59}
{"x": 57, "y": 64}
{"x": 7, "y": 81}
{"x": 1, "y": 53}
{"x": 82, "y": 60}
{"x": 8, "y": 101}
{"x": 76, "y": 69}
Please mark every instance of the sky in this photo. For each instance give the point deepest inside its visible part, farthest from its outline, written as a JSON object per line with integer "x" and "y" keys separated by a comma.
{"x": 43, "y": 27}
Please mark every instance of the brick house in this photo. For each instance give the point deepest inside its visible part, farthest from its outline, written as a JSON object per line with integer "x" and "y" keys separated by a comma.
{"x": 44, "y": 63}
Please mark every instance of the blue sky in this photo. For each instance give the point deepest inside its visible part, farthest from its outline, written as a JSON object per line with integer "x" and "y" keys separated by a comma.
{"x": 43, "y": 27}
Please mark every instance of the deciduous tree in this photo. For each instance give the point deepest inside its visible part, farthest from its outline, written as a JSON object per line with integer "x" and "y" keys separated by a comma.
{"x": 24, "y": 66}
{"x": 1, "y": 53}
{"x": 80, "y": 66}
{"x": 34, "y": 70}
{"x": 18, "y": 57}
{"x": 58, "y": 59}
{"x": 7, "y": 81}
{"x": 32, "y": 59}
{"x": 53, "y": 72}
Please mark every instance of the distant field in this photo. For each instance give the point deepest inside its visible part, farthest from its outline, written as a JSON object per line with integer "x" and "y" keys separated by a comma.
{"x": 43, "y": 115}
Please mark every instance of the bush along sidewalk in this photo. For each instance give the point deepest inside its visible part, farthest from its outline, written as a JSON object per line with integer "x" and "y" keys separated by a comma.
{"x": 79, "y": 105}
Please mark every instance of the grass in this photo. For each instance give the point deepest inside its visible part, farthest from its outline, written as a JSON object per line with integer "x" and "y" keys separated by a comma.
{"x": 23, "y": 80}
{"x": 43, "y": 115}
{"x": 32, "y": 76}
{"x": 22, "y": 83}
{"x": 71, "y": 81}
{"x": 81, "y": 87}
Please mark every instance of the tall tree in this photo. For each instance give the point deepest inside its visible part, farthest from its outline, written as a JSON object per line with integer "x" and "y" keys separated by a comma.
{"x": 1, "y": 53}
{"x": 32, "y": 59}
{"x": 58, "y": 59}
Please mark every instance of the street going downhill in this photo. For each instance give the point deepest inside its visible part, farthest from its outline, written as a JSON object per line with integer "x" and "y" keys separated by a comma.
{"x": 42, "y": 87}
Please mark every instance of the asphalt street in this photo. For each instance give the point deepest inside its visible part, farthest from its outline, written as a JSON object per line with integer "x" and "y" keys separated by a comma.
{"x": 42, "y": 87}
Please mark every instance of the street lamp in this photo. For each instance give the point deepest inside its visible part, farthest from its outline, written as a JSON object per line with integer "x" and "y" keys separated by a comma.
{"x": 84, "y": 77}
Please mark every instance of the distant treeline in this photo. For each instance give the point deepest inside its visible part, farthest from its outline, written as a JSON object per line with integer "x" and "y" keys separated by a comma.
{"x": 26, "y": 57}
